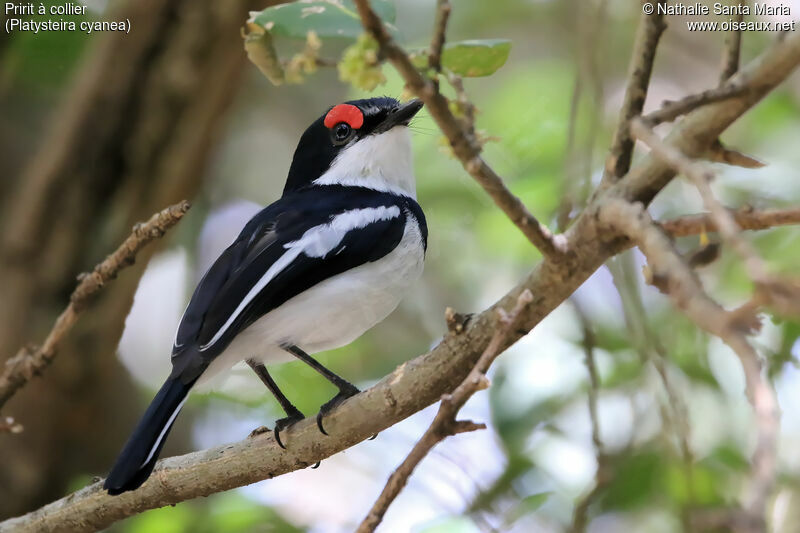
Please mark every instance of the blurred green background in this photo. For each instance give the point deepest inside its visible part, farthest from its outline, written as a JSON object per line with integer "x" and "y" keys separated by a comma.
{"x": 675, "y": 428}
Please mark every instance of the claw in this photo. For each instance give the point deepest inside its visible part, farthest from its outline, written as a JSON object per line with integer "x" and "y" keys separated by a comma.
{"x": 319, "y": 423}
{"x": 375, "y": 436}
{"x": 277, "y": 434}
{"x": 315, "y": 465}
{"x": 336, "y": 400}
{"x": 284, "y": 423}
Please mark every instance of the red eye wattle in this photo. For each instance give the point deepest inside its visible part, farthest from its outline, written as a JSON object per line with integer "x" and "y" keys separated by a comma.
{"x": 349, "y": 114}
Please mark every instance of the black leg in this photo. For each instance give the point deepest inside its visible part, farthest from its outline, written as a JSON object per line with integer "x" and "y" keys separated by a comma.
{"x": 341, "y": 383}
{"x": 293, "y": 414}
{"x": 346, "y": 389}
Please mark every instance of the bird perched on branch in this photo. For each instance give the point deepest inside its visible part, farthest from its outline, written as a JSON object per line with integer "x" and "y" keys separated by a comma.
{"x": 311, "y": 272}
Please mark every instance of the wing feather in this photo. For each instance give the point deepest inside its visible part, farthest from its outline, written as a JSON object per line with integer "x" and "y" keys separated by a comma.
{"x": 284, "y": 250}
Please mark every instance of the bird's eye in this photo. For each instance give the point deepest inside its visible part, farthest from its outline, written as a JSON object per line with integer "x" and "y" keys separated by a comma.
{"x": 341, "y": 132}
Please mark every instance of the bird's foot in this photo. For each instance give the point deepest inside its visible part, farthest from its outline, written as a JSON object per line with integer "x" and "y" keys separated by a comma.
{"x": 292, "y": 418}
{"x": 345, "y": 392}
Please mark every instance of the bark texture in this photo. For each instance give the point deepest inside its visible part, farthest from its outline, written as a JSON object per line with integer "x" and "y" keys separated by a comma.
{"x": 131, "y": 136}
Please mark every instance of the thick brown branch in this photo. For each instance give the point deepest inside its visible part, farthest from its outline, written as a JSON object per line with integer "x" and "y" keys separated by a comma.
{"x": 444, "y": 423}
{"x": 639, "y": 70}
{"x": 31, "y": 362}
{"x": 687, "y": 294}
{"x": 695, "y": 134}
{"x": 465, "y": 147}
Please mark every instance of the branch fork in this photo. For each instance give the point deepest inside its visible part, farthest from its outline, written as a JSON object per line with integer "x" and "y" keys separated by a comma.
{"x": 444, "y": 423}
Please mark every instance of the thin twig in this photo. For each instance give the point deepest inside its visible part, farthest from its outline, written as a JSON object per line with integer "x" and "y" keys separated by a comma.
{"x": 732, "y": 50}
{"x": 746, "y": 218}
{"x": 589, "y": 343}
{"x": 719, "y": 153}
{"x": 29, "y": 362}
{"x": 781, "y": 292}
{"x": 701, "y": 176}
{"x": 443, "y": 9}
{"x": 444, "y": 423}
{"x": 465, "y": 146}
{"x": 639, "y": 70}
{"x": 464, "y": 102}
{"x": 581, "y": 511}
{"x": 648, "y": 343}
{"x": 671, "y": 110}
{"x": 687, "y": 294}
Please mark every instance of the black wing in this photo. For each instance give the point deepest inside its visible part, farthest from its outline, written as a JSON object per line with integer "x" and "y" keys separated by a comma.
{"x": 265, "y": 266}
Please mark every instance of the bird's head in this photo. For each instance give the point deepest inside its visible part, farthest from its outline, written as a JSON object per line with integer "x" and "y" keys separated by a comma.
{"x": 362, "y": 143}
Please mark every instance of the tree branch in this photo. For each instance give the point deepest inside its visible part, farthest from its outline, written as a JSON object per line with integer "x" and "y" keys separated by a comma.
{"x": 580, "y": 514}
{"x": 31, "y": 362}
{"x": 701, "y": 176}
{"x": 443, "y": 9}
{"x": 641, "y": 66}
{"x": 780, "y": 291}
{"x": 746, "y": 218}
{"x": 733, "y": 45}
{"x": 697, "y": 131}
{"x": 421, "y": 381}
{"x": 464, "y": 145}
{"x": 444, "y": 423}
{"x": 688, "y": 295}
{"x": 672, "y": 110}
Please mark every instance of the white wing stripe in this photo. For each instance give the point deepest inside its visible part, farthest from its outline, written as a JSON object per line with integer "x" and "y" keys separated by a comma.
{"x": 316, "y": 242}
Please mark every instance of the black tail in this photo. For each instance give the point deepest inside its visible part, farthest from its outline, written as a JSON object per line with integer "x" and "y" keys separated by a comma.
{"x": 136, "y": 461}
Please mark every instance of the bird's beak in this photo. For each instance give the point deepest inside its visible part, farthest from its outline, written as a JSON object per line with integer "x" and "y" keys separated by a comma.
{"x": 400, "y": 116}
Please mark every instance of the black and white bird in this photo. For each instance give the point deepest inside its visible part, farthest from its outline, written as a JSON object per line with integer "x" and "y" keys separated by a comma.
{"x": 311, "y": 272}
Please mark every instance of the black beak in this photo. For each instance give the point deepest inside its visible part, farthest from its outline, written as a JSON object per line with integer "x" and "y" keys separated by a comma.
{"x": 400, "y": 116}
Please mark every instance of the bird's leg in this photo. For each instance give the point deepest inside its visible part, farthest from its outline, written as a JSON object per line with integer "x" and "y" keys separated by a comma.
{"x": 346, "y": 389}
{"x": 293, "y": 414}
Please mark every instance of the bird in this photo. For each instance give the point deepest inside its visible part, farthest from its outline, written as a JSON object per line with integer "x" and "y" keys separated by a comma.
{"x": 331, "y": 258}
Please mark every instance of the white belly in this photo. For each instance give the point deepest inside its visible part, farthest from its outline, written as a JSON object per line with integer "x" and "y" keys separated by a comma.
{"x": 332, "y": 313}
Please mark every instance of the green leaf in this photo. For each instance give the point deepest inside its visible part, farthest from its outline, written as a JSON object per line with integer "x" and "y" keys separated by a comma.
{"x": 327, "y": 18}
{"x": 471, "y": 59}
{"x": 475, "y": 58}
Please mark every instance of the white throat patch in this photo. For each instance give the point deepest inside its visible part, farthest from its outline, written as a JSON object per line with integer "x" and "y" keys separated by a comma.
{"x": 381, "y": 162}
